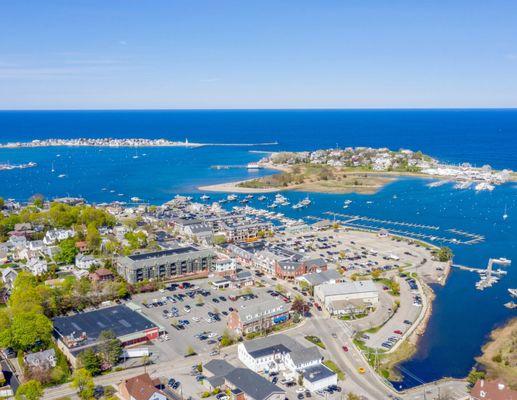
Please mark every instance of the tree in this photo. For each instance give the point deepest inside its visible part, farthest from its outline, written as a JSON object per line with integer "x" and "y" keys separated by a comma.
{"x": 475, "y": 375}
{"x": 279, "y": 288}
{"x": 199, "y": 300}
{"x": 82, "y": 381}
{"x": 30, "y": 390}
{"x": 298, "y": 304}
{"x": 352, "y": 396}
{"x": 67, "y": 251}
{"x": 2, "y": 203}
{"x": 376, "y": 273}
{"x": 93, "y": 237}
{"x": 38, "y": 200}
{"x": 110, "y": 348}
{"x": 90, "y": 361}
{"x": 444, "y": 254}
{"x": 29, "y": 329}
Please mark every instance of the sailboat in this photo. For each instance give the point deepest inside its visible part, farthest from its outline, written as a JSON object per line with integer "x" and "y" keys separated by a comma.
{"x": 505, "y": 215}
{"x": 53, "y": 170}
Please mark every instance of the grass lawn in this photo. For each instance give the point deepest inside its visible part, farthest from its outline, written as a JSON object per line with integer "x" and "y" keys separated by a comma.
{"x": 315, "y": 340}
{"x": 334, "y": 368}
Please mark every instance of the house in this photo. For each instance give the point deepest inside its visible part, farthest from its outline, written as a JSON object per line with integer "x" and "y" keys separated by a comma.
{"x": 224, "y": 266}
{"x": 37, "y": 266}
{"x": 9, "y": 276}
{"x": 258, "y": 317}
{"x": 242, "y": 383}
{"x": 141, "y": 387}
{"x": 45, "y": 359}
{"x": 282, "y": 353}
{"x": 83, "y": 261}
{"x": 492, "y": 390}
{"x": 54, "y": 236}
{"x": 82, "y": 246}
{"x": 102, "y": 275}
{"x": 4, "y": 295}
{"x": 347, "y": 297}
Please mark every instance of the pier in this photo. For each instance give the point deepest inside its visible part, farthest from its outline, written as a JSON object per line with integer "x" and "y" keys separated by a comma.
{"x": 383, "y": 221}
{"x": 489, "y": 276}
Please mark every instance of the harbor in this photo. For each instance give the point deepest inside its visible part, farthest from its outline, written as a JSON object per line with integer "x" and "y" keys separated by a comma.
{"x": 488, "y": 276}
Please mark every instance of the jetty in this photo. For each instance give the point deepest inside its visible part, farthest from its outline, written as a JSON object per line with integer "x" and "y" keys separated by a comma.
{"x": 488, "y": 276}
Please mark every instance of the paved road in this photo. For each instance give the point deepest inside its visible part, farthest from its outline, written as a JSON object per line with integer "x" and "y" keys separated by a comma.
{"x": 10, "y": 376}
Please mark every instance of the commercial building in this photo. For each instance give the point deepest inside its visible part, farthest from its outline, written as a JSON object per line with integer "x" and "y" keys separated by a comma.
{"x": 320, "y": 278}
{"x": 281, "y": 353}
{"x": 242, "y": 383}
{"x": 347, "y": 297}
{"x": 258, "y": 317}
{"x": 492, "y": 390}
{"x": 174, "y": 263}
{"x": 81, "y": 331}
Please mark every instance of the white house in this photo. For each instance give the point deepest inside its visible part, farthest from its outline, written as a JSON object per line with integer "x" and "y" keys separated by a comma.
{"x": 37, "y": 266}
{"x": 224, "y": 266}
{"x": 57, "y": 235}
{"x": 83, "y": 261}
{"x": 282, "y": 353}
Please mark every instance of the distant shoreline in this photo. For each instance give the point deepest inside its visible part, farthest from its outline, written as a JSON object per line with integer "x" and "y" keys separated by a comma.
{"x": 123, "y": 142}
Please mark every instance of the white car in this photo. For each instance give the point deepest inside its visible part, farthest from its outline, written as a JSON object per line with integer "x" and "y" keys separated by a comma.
{"x": 300, "y": 390}
{"x": 195, "y": 319}
{"x": 186, "y": 309}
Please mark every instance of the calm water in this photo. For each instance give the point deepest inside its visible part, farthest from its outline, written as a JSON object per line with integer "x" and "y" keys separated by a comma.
{"x": 462, "y": 316}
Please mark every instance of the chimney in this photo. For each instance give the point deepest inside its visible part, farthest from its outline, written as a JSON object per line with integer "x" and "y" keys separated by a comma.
{"x": 482, "y": 383}
{"x": 500, "y": 386}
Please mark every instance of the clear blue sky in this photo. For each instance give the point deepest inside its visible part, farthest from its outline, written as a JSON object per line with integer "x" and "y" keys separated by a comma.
{"x": 257, "y": 54}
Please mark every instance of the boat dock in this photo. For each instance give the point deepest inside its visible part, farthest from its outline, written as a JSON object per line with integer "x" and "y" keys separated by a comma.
{"x": 489, "y": 276}
{"x": 244, "y": 166}
{"x": 384, "y": 221}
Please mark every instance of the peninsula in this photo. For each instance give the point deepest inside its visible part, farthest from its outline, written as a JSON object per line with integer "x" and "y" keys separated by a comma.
{"x": 118, "y": 142}
{"x": 361, "y": 170}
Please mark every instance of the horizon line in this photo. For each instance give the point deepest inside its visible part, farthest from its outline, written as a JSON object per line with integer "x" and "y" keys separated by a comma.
{"x": 494, "y": 108}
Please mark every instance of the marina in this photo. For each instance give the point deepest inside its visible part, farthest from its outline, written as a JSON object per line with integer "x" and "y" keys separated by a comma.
{"x": 488, "y": 276}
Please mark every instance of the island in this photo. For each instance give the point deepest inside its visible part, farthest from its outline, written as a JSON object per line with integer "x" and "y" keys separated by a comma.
{"x": 361, "y": 170}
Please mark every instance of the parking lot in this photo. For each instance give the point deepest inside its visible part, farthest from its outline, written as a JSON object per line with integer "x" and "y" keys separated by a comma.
{"x": 195, "y": 316}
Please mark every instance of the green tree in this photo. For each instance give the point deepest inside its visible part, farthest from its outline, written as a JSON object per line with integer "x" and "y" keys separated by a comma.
{"x": 29, "y": 329}
{"x": 90, "y": 361}
{"x": 475, "y": 375}
{"x": 444, "y": 254}
{"x": 67, "y": 251}
{"x": 82, "y": 381}
{"x": 38, "y": 200}
{"x": 376, "y": 273}
{"x": 110, "y": 348}
{"x": 93, "y": 237}
{"x": 30, "y": 390}
{"x": 2, "y": 203}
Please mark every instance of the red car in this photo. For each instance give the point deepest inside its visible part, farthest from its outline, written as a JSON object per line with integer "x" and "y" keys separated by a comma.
{"x": 345, "y": 349}
{"x": 398, "y": 332}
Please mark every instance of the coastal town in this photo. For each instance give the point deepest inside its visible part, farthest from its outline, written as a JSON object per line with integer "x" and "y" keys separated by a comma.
{"x": 366, "y": 169}
{"x": 201, "y": 299}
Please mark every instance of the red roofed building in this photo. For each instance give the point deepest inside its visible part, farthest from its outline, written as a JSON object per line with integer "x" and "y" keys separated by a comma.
{"x": 141, "y": 387}
{"x": 492, "y": 390}
{"x": 102, "y": 275}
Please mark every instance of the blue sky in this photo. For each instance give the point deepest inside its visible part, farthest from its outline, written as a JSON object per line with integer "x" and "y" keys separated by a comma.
{"x": 257, "y": 54}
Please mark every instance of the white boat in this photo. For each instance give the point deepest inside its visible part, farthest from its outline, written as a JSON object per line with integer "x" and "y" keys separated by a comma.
{"x": 261, "y": 198}
{"x": 484, "y": 186}
{"x": 513, "y": 292}
{"x": 205, "y": 197}
{"x": 306, "y": 202}
{"x": 136, "y": 199}
{"x": 53, "y": 170}
{"x": 253, "y": 166}
{"x": 272, "y": 205}
{"x": 505, "y": 215}
{"x": 61, "y": 175}
{"x": 297, "y": 206}
{"x": 231, "y": 197}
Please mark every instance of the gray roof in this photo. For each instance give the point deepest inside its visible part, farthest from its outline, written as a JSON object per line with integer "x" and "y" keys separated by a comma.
{"x": 218, "y": 367}
{"x": 256, "y": 311}
{"x": 282, "y": 344}
{"x": 317, "y": 372}
{"x": 306, "y": 355}
{"x": 319, "y": 278}
{"x": 173, "y": 254}
{"x": 353, "y": 287}
{"x": 252, "y": 384}
{"x": 40, "y": 358}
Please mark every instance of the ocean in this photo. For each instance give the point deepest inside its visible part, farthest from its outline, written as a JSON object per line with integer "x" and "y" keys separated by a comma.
{"x": 462, "y": 316}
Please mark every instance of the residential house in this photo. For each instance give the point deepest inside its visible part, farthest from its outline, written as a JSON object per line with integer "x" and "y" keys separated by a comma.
{"x": 37, "y": 266}
{"x": 9, "y": 276}
{"x": 83, "y": 261}
{"x": 102, "y": 275}
{"x": 141, "y": 387}
{"x": 45, "y": 359}
{"x": 54, "y": 236}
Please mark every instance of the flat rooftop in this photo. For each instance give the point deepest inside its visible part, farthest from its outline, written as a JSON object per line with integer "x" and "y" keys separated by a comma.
{"x": 162, "y": 253}
{"x": 119, "y": 319}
